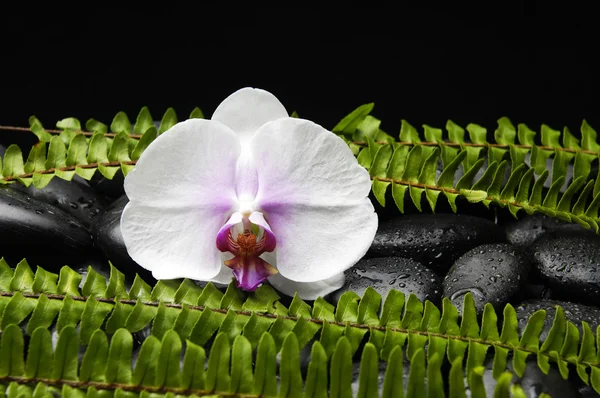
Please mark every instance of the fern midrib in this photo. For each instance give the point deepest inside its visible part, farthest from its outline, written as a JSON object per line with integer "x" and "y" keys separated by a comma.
{"x": 125, "y": 387}
{"x": 70, "y": 168}
{"x": 451, "y": 191}
{"x": 58, "y": 132}
{"x": 474, "y": 145}
{"x": 510, "y": 347}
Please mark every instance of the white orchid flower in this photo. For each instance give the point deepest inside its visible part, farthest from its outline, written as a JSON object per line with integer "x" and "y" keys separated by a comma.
{"x": 251, "y": 193}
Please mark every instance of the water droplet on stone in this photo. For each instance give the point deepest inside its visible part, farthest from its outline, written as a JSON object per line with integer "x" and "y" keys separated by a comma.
{"x": 473, "y": 290}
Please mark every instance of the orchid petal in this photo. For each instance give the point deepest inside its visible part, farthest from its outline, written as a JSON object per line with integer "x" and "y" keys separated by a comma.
{"x": 246, "y": 110}
{"x": 307, "y": 290}
{"x": 181, "y": 192}
{"x": 315, "y": 198}
{"x": 246, "y": 179}
{"x": 191, "y": 164}
{"x": 259, "y": 219}
{"x": 225, "y": 274}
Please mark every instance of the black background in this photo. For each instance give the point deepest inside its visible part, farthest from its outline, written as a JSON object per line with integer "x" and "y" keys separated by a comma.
{"x": 424, "y": 67}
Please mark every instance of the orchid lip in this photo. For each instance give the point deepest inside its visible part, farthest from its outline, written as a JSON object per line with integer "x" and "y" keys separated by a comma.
{"x": 248, "y": 268}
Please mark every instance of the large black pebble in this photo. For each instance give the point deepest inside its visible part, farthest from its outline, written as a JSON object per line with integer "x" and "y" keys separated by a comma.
{"x": 523, "y": 232}
{"x": 434, "y": 240}
{"x": 570, "y": 264}
{"x": 574, "y": 313}
{"x": 75, "y": 198}
{"x": 45, "y": 235}
{"x": 491, "y": 273}
{"x": 387, "y": 273}
{"x": 112, "y": 189}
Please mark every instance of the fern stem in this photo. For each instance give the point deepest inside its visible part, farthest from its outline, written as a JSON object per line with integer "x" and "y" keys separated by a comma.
{"x": 443, "y": 189}
{"x": 428, "y": 334}
{"x": 115, "y": 386}
{"x": 57, "y": 132}
{"x": 474, "y": 145}
{"x": 69, "y": 168}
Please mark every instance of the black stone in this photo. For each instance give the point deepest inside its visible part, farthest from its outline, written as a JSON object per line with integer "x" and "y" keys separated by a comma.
{"x": 75, "y": 198}
{"x": 45, "y": 235}
{"x": 534, "y": 291}
{"x": 574, "y": 312}
{"x": 112, "y": 189}
{"x": 569, "y": 263}
{"x": 491, "y": 273}
{"x": 523, "y": 232}
{"x": 387, "y": 273}
{"x": 434, "y": 240}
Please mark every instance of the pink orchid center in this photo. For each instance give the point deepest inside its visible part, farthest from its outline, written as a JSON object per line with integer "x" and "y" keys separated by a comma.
{"x": 248, "y": 268}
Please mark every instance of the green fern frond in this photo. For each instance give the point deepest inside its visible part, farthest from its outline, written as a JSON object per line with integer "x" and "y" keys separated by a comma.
{"x": 196, "y": 315}
{"x": 71, "y": 150}
{"x": 411, "y": 166}
{"x": 107, "y": 368}
{"x": 408, "y": 166}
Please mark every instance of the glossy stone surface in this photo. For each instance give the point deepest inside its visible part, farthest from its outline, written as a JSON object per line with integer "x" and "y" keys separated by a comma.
{"x": 434, "y": 240}
{"x": 491, "y": 273}
{"x": 569, "y": 263}
{"x": 76, "y": 198}
{"x": 387, "y": 273}
{"x": 527, "y": 229}
{"x": 112, "y": 189}
{"x": 46, "y": 235}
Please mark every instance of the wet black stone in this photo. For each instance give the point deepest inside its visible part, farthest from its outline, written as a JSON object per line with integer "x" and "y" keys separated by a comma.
{"x": 491, "y": 273}
{"x": 574, "y": 312}
{"x": 75, "y": 198}
{"x": 434, "y": 240}
{"x": 569, "y": 263}
{"x": 534, "y": 382}
{"x": 387, "y": 273}
{"x": 534, "y": 291}
{"x": 112, "y": 189}
{"x": 45, "y": 235}
{"x": 523, "y": 232}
